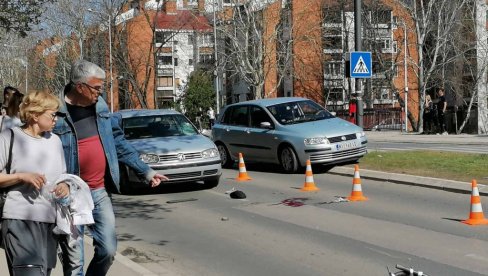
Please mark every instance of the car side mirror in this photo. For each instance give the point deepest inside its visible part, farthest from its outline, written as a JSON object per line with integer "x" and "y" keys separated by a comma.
{"x": 333, "y": 113}
{"x": 266, "y": 125}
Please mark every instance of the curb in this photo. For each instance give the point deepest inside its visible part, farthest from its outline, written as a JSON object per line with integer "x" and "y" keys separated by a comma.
{"x": 413, "y": 180}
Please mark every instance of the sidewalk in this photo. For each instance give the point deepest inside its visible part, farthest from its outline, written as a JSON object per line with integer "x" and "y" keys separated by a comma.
{"x": 397, "y": 136}
{"x": 428, "y": 182}
{"x": 122, "y": 266}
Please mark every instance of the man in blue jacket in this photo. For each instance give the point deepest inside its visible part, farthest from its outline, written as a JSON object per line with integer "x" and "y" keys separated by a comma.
{"x": 94, "y": 144}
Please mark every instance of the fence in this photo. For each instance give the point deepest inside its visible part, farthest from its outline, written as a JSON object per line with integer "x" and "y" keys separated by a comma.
{"x": 378, "y": 119}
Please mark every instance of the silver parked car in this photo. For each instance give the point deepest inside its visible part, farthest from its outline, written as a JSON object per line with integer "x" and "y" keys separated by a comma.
{"x": 170, "y": 144}
{"x": 286, "y": 131}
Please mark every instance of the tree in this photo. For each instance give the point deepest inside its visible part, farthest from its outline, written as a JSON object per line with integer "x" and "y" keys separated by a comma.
{"x": 19, "y": 15}
{"x": 252, "y": 49}
{"x": 199, "y": 95}
{"x": 434, "y": 23}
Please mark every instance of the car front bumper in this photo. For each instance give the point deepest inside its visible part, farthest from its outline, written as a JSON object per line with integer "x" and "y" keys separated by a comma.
{"x": 186, "y": 172}
{"x": 334, "y": 153}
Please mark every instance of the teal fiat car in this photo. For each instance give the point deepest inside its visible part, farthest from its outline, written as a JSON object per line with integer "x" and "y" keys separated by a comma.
{"x": 287, "y": 131}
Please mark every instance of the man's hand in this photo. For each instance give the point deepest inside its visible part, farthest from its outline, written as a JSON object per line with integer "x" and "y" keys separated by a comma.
{"x": 156, "y": 180}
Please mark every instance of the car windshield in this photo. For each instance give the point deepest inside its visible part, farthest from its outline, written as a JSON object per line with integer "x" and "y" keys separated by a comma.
{"x": 298, "y": 112}
{"x": 157, "y": 126}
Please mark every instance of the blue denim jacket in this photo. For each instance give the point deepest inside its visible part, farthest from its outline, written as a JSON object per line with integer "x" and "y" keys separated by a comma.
{"x": 116, "y": 148}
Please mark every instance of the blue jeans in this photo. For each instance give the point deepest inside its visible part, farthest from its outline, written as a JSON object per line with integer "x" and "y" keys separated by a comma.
{"x": 104, "y": 240}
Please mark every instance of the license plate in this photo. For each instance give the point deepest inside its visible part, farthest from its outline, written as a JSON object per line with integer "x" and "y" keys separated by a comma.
{"x": 347, "y": 145}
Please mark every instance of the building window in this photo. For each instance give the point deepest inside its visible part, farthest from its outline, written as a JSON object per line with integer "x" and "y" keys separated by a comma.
{"x": 164, "y": 98}
{"x": 206, "y": 58}
{"x": 395, "y": 47}
{"x": 333, "y": 68}
{"x": 381, "y": 17}
{"x": 205, "y": 39}
{"x": 163, "y": 37}
{"x": 165, "y": 60}
{"x": 333, "y": 38}
{"x": 333, "y": 17}
{"x": 335, "y": 94}
{"x": 164, "y": 82}
{"x": 191, "y": 39}
{"x": 386, "y": 45}
{"x": 176, "y": 61}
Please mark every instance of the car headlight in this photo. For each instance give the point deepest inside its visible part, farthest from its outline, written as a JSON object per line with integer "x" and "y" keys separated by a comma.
{"x": 360, "y": 134}
{"x": 149, "y": 158}
{"x": 210, "y": 153}
{"x": 315, "y": 141}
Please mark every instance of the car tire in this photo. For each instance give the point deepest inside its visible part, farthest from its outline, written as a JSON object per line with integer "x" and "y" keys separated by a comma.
{"x": 288, "y": 160}
{"x": 211, "y": 183}
{"x": 225, "y": 157}
{"x": 125, "y": 187}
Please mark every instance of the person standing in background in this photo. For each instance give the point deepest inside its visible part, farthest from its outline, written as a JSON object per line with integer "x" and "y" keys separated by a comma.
{"x": 441, "y": 111}
{"x": 211, "y": 116}
{"x": 11, "y": 118}
{"x": 428, "y": 114}
{"x": 8, "y": 91}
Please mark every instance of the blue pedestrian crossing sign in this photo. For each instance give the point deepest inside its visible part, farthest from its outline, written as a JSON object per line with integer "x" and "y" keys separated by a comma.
{"x": 361, "y": 65}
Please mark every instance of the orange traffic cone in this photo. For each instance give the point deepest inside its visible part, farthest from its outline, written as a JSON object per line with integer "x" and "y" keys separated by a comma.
{"x": 476, "y": 216}
{"x": 242, "y": 176}
{"x": 357, "y": 193}
{"x": 309, "y": 185}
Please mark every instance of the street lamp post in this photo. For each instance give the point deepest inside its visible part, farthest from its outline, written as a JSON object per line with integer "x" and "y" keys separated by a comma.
{"x": 110, "y": 56}
{"x": 26, "y": 66}
{"x": 217, "y": 83}
{"x": 405, "y": 73}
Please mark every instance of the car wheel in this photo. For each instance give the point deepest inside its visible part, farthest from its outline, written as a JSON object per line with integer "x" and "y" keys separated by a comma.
{"x": 225, "y": 158}
{"x": 125, "y": 187}
{"x": 211, "y": 183}
{"x": 288, "y": 160}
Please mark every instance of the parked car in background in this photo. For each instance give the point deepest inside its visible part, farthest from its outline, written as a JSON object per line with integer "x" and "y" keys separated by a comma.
{"x": 286, "y": 131}
{"x": 170, "y": 144}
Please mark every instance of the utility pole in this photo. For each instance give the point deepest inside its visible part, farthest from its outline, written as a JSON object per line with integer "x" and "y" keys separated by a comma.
{"x": 405, "y": 72}
{"x": 357, "y": 46}
{"x": 216, "y": 71}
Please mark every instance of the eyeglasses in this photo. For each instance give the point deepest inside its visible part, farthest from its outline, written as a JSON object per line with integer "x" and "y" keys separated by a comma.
{"x": 96, "y": 88}
{"x": 53, "y": 116}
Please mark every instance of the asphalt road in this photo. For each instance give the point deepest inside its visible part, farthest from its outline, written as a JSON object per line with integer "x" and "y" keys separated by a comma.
{"x": 279, "y": 230}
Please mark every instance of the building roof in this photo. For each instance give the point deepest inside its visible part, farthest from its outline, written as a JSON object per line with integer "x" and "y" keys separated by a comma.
{"x": 182, "y": 20}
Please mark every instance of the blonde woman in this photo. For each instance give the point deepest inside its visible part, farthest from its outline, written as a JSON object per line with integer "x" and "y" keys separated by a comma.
{"x": 36, "y": 159}
{"x": 428, "y": 114}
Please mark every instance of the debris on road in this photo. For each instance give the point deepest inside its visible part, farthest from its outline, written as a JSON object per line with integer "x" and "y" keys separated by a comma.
{"x": 181, "y": 200}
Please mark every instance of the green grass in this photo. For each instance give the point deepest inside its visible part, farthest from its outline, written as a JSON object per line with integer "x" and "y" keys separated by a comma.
{"x": 446, "y": 165}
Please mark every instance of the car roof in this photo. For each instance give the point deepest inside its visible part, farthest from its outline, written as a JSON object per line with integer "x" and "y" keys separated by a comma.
{"x": 127, "y": 113}
{"x": 272, "y": 101}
